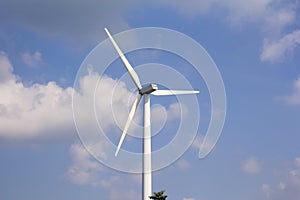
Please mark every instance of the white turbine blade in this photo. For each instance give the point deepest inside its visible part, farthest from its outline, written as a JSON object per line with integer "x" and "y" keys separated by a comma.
{"x": 130, "y": 117}
{"x": 173, "y": 92}
{"x": 129, "y": 68}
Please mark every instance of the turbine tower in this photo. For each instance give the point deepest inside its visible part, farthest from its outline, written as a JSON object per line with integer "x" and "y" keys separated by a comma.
{"x": 143, "y": 91}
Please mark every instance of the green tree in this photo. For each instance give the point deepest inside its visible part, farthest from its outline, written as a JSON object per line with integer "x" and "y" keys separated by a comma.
{"x": 159, "y": 196}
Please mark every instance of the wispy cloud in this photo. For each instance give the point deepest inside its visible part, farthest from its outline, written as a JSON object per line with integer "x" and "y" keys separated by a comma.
{"x": 275, "y": 17}
{"x": 294, "y": 98}
{"x": 160, "y": 115}
{"x": 85, "y": 170}
{"x": 6, "y": 68}
{"x": 297, "y": 162}
{"x": 285, "y": 183}
{"x": 183, "y": 164}
{"x": 281, "y": 37}
{"x": 266, "y": 190}
{"x": 252, "y": 165}
{"x": 32, "y": 60}
{"x": 277, "y": 50}
{"x": 238, "y": 10}
{"x": 241, "y": 11}
{"x": 198, "y": 143}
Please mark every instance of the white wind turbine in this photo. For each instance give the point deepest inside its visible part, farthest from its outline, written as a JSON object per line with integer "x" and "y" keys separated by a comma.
{"x": 143, "y": 91}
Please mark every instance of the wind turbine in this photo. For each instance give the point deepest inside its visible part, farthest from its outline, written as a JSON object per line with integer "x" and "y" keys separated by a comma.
{"x": 143, "y": 91}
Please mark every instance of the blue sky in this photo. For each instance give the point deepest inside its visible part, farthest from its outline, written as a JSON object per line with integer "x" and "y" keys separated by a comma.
{"x": 255, "y": 46}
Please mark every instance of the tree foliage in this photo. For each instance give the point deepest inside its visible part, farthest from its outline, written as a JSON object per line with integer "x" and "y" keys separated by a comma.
{"x": 159, "y": 196}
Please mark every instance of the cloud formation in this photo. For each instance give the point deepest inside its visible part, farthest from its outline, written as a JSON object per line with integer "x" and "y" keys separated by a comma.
{"x": 44, "y": 111}
{"x": 275, "y": 17}
{"x": 277, "y": 50}
{"x": 35, "y": 111}
{"x": 266, "y": 190}
{"x": 288, "y": 183}
{"x": 85, "y": 170}
{"x": 32, "y": 60}
{"x": 294, "y": 98}
{"x": 251, "y": 165}
{"x": 183, "y": 164}
{"x": 237, "y": 11}
{"x": 281, "y": 37}
{"x": 6, "y": 68}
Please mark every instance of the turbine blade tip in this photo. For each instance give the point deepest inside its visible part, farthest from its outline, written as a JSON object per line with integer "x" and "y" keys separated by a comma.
{"x": 106, "y": 31}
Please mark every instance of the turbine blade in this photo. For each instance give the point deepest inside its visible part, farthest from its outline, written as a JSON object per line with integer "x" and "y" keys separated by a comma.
{"x": 128, "y": 122}
{"x": 173, "y": 92}
{"x": 129, "y": 68}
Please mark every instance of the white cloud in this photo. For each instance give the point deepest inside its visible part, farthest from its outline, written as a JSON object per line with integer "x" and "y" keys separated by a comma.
{"x": 182, "y": 164}
{"x": 199, "y": 143}
{"x": 185, "y": 198}
{"x": 161, "y": 115}
{"x": 159, "y": 118}
{"x": 85, "y": 170}
{"x": 102, "y": 105}
{"x": 278, "y": 49}
{"x": 112, "y": 99}
{"x": 297, "y": 160}
{"x": 174, "y": 111}
{"x": 237, "y": 10}
{"x": 294, "y": 98}
{"x": 274, "y": 17}
{"x": 242, "y": 11}
{"x": 266, "y": 190}
{"x": 251, "y": 165}
{"x": 44, "y": 111}
{"x": 177, "y": 111}
{"x": 191, "y": 8}
{"x": 36, "y": 111}
{"x": 288, "y": 183}
{"x": 32, "y": 60}
{"x": 279, "y": 42}
{"x": 276, "y": 20}
{"x": 274, "y": 14}
{"x": 6, "y": 68}
{"x": 281, "y": 186}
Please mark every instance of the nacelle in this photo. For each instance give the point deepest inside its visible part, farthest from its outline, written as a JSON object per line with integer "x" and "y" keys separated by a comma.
{"x": 148, "y": 89}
